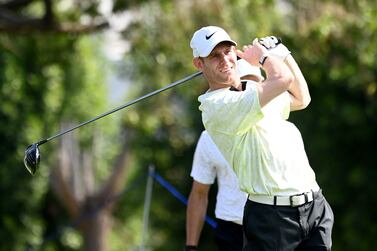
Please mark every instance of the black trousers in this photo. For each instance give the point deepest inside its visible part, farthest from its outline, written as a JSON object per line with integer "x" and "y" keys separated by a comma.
{"x": 284, "y": 228}
{"x": 229, "y": 236}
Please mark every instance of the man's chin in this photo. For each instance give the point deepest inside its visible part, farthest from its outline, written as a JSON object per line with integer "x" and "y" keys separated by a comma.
{"x": 230, "y": 80}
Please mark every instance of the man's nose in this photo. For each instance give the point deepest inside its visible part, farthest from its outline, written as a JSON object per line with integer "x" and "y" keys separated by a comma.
{"x": 224, "y": 58}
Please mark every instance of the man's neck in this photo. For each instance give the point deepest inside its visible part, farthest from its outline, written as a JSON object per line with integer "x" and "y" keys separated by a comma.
{"x": 216, "y": 86}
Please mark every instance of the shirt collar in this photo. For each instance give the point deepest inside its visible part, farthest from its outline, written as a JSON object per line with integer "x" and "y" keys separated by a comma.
{"x": 243, "y": 83}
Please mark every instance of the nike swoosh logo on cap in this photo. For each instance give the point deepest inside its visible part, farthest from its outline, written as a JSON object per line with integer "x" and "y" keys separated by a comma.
{"x": 208, "y": 37}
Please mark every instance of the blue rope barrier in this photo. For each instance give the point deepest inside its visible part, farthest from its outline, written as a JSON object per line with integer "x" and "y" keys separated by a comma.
{"x": 179, "y": 196}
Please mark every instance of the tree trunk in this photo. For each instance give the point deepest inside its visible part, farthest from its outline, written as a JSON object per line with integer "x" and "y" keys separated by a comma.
{"x": 95, "y": 231}
{"x": 73, "y": 182}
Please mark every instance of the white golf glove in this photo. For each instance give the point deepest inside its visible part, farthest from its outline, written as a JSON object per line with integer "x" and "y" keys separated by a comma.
{"x": 275, "y": 47}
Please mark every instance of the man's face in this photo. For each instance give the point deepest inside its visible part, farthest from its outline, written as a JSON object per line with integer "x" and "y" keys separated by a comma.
{"x": 219, "y": 67}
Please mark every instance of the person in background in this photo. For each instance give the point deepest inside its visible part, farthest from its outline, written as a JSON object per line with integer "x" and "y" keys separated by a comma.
{"x": 208, "y": 165}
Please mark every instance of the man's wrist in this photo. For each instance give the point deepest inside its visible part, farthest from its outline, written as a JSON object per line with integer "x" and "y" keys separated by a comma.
{"x": 263, "y": 58}
{"x": 191, "y": 248}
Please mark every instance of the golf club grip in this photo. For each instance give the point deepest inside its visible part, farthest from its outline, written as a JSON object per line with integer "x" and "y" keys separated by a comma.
{"x": 279, "y": 42}
{"x": 178, "y": 82}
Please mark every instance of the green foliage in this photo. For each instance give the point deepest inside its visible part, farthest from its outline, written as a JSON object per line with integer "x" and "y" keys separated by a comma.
{"x": 23, "y": 87}
{"x": 119, "y": 5}
{"x": 44, "y": 80}
{"x": 340, "y": 67}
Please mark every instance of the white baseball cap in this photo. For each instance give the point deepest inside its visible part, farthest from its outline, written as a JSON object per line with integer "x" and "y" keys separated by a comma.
{"x": 244, "y": 68}
{"x": 205, "y": 39}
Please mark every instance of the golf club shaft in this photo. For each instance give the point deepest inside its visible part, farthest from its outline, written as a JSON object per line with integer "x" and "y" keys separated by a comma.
{"x": 123, "y": 106}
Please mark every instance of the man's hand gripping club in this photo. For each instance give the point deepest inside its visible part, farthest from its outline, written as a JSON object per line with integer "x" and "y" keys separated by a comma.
{"x": 275, "y": 47}
{"x": 278, "y": 75}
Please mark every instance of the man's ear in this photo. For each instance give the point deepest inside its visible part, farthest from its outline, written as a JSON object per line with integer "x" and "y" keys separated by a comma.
{"x": 198, "y": 63}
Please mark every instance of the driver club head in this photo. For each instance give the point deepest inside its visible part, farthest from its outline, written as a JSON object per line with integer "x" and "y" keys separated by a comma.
{"x": 32, "y": 158}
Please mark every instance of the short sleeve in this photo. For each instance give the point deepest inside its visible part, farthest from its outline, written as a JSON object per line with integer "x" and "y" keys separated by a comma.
{"x": 203, "y": 167}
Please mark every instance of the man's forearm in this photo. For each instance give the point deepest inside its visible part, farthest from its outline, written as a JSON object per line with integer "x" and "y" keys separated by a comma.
{"x": 299, "y": 90}
{"x": 278, "y": 80}
{"x": 196, "y": 210}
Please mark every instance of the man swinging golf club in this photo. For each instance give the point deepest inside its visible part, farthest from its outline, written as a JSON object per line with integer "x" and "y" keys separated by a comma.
{"x": 285, "y": 209}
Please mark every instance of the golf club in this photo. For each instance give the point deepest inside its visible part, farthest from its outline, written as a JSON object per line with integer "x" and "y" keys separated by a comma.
{"x": 32, "y": 153}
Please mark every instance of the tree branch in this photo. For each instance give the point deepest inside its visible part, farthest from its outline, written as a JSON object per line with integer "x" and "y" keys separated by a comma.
{"x": 38, "y": 26}
{"x": 49, "y": 15}
{"x": 61, "y": 189}
{"x": 116, "y": 181}
{"x": 15, "y": 22}
{"x": 15, "y": 4}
